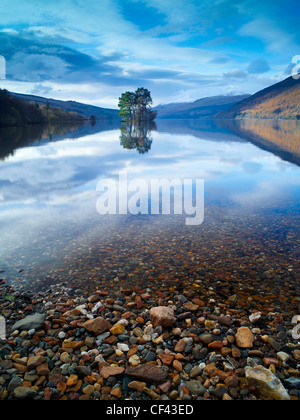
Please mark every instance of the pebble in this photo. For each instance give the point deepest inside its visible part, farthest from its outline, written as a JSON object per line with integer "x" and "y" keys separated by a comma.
{"x": 149, "y": 351}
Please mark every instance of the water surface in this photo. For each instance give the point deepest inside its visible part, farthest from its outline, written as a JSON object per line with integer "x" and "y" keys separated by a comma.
{"x": 51, "y": 232}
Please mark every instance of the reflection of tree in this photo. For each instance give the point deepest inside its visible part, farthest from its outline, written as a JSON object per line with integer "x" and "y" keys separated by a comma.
{"x": 137, "y": 136}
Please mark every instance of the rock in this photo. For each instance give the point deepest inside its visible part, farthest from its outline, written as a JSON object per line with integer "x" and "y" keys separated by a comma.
{"x": 293, "y": 383}
{"x": 166, "y": 359}
{"x": 117, "y": 329}
{"x": 88, "y": 390}
{"x": 56, "y": 378}
{"x": 233, "y": 299}
{"x": 196, "y": 387}
{"x": 162, "y": 316}
{"x": 297, "y": 355}
{"x": 24, "y": 393}
{"x": 206, "y": 338}
{"x": 224, "y": 320}
{"x": 219, "y": 392}
{"x": 284, "y": 357}
{"x": 231, "y": 382}
{"x": 266, "y": 383}
{"x": 123, "y": 347}
{"x": 107, "y": 371}
{"x": 165, "y": 388}
{"x": 151, "y": 394}
{"x": 180, "y": 346}
{"x": 83, "y": 371}
{"x": 35, "y": 321}
{"x": 73, "y": 345}
{"x": 43, "y": 369}
{"x": 177, "y": 365}
{"x": 255, "y": 317}
{"x": 72, "y": 380}
{"x": 134, "y": 360}
{"x": 137, "y": 386}
{"x": 65, "y": 357}
{"x": 273, "y": 343}
{"x": 35, "y": 361}
{"x": 244, "y": 338}
{"x": 14, "y": 383}
{"x": 116, "y": 392}
{"x": 148, "y": 373}
{"x": 196, "y": 371}
{"x": 215, "y": 345}
{"x": 190, "y": 307}
{"x": 97, "y": 326}
{"x": 236, "y": 354}
{"x": 209, "y": 325}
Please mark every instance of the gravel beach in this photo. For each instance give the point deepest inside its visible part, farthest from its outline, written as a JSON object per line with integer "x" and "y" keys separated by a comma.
{"x": 131, "y": 343}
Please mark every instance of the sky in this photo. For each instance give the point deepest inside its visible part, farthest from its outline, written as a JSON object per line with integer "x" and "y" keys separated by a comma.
{"x": 92, "y": 51}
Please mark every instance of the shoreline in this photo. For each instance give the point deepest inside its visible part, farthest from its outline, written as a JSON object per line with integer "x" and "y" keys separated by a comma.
{"x": 112, "y": 345}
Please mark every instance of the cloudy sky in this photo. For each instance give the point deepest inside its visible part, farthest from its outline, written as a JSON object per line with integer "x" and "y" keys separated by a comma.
{"x": 181, "y": 50}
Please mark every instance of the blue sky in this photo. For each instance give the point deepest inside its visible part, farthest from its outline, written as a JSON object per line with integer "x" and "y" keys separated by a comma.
{"x": 182, "y": 50}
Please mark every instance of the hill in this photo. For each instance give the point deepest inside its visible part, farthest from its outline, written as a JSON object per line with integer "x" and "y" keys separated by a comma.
{"x": 14, "y": 112}
{"x": 202, "y": 108}
{"x": 71, "y": 106}
{"x": 17, "y": 112}
{"x": 279, "y": 101}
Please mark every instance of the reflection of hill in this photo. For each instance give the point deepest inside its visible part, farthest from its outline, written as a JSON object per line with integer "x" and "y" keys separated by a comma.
{"x": 210, "y": 130}
{"x": 12, "y": 138}
{"x": 280, "y": 137}
{"x": 59, "y": 132}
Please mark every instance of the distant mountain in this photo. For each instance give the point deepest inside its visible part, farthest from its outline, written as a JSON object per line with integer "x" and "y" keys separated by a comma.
{"x": 202, "y": 108}
{"x": 71, "y": 106}
{"x": 280, "y": 101}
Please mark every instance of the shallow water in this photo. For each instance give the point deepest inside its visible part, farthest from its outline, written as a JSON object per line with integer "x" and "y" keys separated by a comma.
{"x": 248, "y": 243}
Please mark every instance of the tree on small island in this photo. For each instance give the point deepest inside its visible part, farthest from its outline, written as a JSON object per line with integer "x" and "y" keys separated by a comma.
{"x": 136, "y": 106}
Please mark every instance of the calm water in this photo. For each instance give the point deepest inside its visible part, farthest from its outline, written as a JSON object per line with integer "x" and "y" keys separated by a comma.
{"x": 51, "y": 232}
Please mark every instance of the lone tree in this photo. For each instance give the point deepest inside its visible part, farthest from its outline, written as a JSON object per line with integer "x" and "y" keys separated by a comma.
{"x": 136, "y": 106}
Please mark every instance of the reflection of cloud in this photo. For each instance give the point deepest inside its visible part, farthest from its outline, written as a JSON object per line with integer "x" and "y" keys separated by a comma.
{"x": 67, "y": 171}
{"x": 266, "y": 192}
{"x": 252, "y": 167}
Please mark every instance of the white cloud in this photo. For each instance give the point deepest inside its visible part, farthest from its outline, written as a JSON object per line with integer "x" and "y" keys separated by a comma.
{"x": 274, "y": 38}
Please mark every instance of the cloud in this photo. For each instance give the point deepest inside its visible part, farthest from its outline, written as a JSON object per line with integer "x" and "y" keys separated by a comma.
{"x": 41, "y": 89}
{"x": 220, "y": 41}
{"x": 274, "y": 38}
{"x": 179, "y": 48}
{"x": 219, "y": 60}
{"x": 30, "y": 60}
{"x": 258, "y": 66}
{"x": 235, "y": 74}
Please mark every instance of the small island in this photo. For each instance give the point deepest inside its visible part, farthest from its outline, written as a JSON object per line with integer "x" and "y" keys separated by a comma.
{"x": 136, "y": 106}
